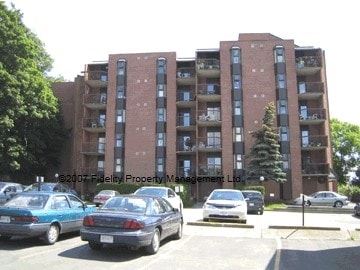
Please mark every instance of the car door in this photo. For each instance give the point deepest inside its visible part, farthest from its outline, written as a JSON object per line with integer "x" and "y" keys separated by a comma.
{"x": 165, "y": 217}
{"x": 172, "y": 216}
{"x": 330, "y": 199}
{"x": 76, "y": 213}
{"x": 319, "y": 199}
{"x": 64, "y": 212}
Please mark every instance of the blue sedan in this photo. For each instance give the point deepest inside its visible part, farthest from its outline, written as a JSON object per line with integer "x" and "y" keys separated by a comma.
{"x": 133, "y": 221}
{"x": 42, "y": 214}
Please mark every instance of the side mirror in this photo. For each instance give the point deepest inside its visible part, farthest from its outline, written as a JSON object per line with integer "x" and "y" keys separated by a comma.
{"x": 246, "y": 199}
{"x": 84, "y": 206}
{"x": 176, "y": 209}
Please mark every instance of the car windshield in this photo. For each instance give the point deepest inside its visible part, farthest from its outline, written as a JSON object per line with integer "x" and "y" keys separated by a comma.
{"x": 28, "y": 201}
{"x": 161, "y": 192}
{"x": 226, "y": 195}
{"x": 252, "y": 195}
{"x": 126, "y": 204}
{"x": 2, "y": 186}
{"x": 106, "y": 192}
{"x": 43, "y": 187}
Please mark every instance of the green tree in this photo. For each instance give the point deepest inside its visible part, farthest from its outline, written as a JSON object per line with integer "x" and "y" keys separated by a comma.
{"x": 345, "y": 139}
{"x": 29, "y": 111}
{"x": 265, "y": 157}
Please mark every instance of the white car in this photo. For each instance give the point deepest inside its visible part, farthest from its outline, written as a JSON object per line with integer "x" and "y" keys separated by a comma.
{"x": 164, "y": 192}
{"x": 225, "y": 204}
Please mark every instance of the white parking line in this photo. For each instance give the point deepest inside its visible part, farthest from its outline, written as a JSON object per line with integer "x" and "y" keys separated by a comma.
{"x": 278, "y": 254}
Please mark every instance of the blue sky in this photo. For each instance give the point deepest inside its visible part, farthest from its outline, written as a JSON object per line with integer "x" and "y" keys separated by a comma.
{"x": 77, "y": 32}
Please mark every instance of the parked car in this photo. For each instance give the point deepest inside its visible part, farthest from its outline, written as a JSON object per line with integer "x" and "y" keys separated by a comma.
{"x": 225, "y": 204}
{"x": 164, "y": 192}
{"x": 324, "y": 198}
{"x": 42, "y": 214}
{"x": 357, "y": 209}
{"x": 133, "y": 221}
{"x": 8, "y": 190}
{"x": 103, "y": 196}
{"x": 255, "y": 201}
{"x": 55, "y": 187}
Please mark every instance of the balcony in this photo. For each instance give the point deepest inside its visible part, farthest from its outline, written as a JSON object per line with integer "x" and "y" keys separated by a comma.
{"x": 315, "y": 169}
{"x": 209, "y": 68}
{"x": 185, "y": 99}
{"x": 185, "y": 123}
{"x": 210, "y": 170}
{"x": 96, "y": 79}
{"x": 91, "y": 172}
{"x": 186, "y": 147}
{"x": 94, "y": 125}
{"x": 185, "y": 76}
{"x": 317, "y": 142}
{"x": 208, "y": 92}
{"x": 186, "y": 172}
{"x": 209, "y": 144}
{"x": 310, "y": 90}
{"x": 93, "y": 149}
{"x": 308, "y": 65}
{"x": 312, "y": 116}
{"x": 95, "y": 101}
{"x": 209, "y": 118}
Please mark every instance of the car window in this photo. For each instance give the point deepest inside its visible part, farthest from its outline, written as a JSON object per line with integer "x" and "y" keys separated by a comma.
{"x": 61, "y": 202}
{"x": 224, "y": 195}
{"x": 152, "y": 191}
{"x": 171, "y": 193}
{"x": 157, "y": 207}
{"x": 28, "y": 201}
{"x": 166, "y": 205}
{"x": 126, "y": 204}
{"x": 75, "y": 202}
{"x": 330, "y": 195}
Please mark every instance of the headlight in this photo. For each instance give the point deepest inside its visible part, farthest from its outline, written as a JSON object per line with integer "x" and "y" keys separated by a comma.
{"x": 208, "y": 206}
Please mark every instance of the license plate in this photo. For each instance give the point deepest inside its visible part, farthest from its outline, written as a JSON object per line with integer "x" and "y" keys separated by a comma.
{"x": 106, "y": 239}
{"x": 251, "y": 204}
{"x": 5, "y": 219}
{"x": 224, "y": 213}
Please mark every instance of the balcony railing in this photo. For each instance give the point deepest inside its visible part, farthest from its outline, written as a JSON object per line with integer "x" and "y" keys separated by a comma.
{"x": 91, "y": 171}
{"x": 209, "y": 143}
{"x": 310, "y": 88}
{"x": 186, "y": 145}
{"x": 312, "y": 114}
{"x": 316, "y": 169}
{"x": 96, "y": 76}
{"x": 308, "y": 62}
{"x": 210, "y": 170}
{"x": 206, "y": 64}
{"x": 185, "y": 96}
{"x": 185, "y": 121}
{"x": 185, "y": 73}
{"x": 313, "y": 142}
{"x": 95, "y": 99}
{"x": 186, "y": 172}
{"x": 93, "y": 148}
{"x": 93, "y": 123}
{"x": 208, "y": 89}
{"x": 209, "y": 115}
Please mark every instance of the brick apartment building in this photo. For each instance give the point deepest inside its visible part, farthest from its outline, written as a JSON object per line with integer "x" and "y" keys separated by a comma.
{"x": 146, "y": 116}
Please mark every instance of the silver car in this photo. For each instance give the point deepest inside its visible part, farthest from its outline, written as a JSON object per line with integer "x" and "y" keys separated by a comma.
{"x": 326, "y": 198}
{"x": 8, "y": 190}
{"x": 225, "y": 204}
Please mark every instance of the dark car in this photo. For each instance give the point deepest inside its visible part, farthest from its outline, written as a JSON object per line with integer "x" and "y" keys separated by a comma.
{"x": 42, "y": 214}
{"x": 357, "y": 209}
{"x": 132, "y": 221}
{"x": 255, "y": 201}
{"x": 8, "y": 190}
{"x": 55, "y": 187}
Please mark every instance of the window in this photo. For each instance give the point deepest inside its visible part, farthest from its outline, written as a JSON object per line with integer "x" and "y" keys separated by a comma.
{"x": 161, "y": 115}
{"x": 120, "y": 91}
{"x": 305, "y": 138}
{"x": 238, "y": 164}
{"x": 302, "y": 87}
{"x": 238, "y": 134}
{"x": 235, "y": 55}
{"x": 214, "y": 165}
{"x": 160, "y": 165}
{"x": 118, "y": 165}
{"x": 75, "y": 202}
{"x": 214, "y": 139}
{"x": 281, "y": 81}
{"x": 184, "y": 119}
{"x": 236, "y": 81}
{"x": 120, "y": 116}
{"x": 279, "y": 54}
{"x": 284, "y": 134}
{"x": 160, "y": 139}
{"x": 101, "y": 145}
{"x": 213, "y": 113}
{"x": 101, "y": 165}
{"x": 237, "y": 107}
{"x": 161, "y": 90}
{"x": 118, "y": 140}
{"x": 102, "y": 120}
{"x": 282, "y": 107}
{"x": 121, "y": 67}
{"x": 286, "y": 161}
{"x": 61, "y": 202}
{"x": 161, "y": 66}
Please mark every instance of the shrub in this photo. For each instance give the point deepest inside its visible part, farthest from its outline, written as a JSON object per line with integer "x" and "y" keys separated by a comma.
{"x": 257, "y": 188}
{"x": 353, "y": 192}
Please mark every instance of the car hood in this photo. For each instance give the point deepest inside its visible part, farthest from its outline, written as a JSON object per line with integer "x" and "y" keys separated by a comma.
{"x": 225, "y": 202}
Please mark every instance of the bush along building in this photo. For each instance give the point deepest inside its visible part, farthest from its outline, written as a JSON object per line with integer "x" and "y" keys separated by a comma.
{"x": 154, "y": 118}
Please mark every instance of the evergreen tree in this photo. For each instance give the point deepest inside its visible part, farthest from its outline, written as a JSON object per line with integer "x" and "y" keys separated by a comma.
{"x": 30, "y": 121}
{"x": 265, "y": 157}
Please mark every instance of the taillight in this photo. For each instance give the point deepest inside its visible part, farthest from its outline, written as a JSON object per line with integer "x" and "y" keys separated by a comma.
{"x": 25, "y": 219}
{"x": 88, "y": 221}
{"x": 133, "y": 224}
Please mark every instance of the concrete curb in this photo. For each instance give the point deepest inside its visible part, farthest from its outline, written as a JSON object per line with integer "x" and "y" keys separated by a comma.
{"x": 305, "y": 228}
{"x": 219, "y": 224}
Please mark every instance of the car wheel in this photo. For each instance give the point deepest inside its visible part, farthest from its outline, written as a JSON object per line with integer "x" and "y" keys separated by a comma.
{"x": 307, "y": 203}
{"x": 4, "y": 237}
{"x": 338, "y": 204}
{"x": 155, "y": 243}
{"x": 261, "y": 212}
{"x": 52, "y": 234}
{"x": 179, "y": 232}
{"x": 95, "y": 246}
